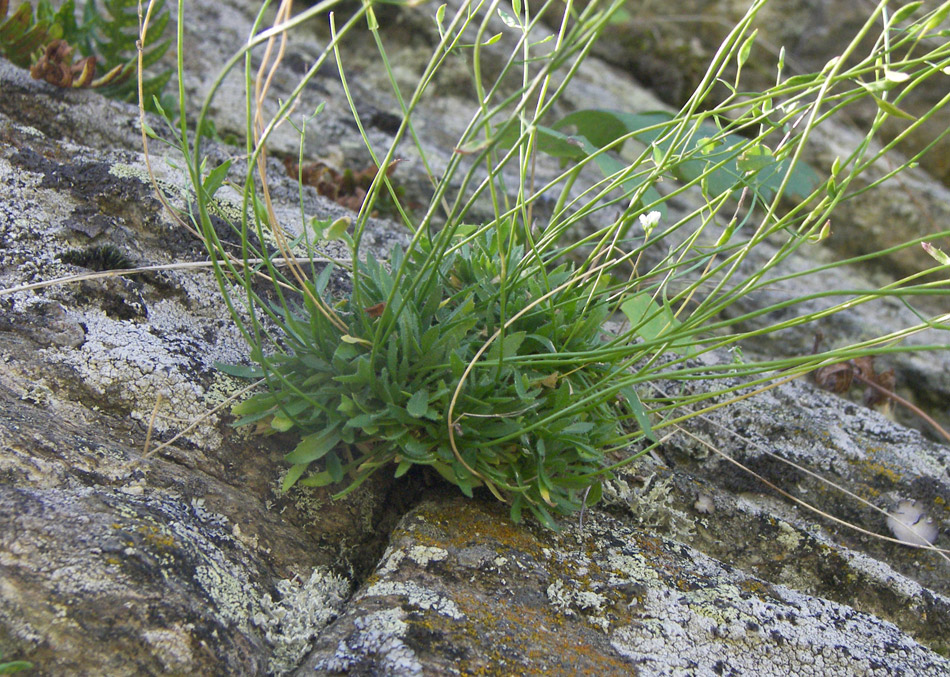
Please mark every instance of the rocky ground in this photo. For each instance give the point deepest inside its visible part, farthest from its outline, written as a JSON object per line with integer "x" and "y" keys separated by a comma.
{"x": 191, "y": 561}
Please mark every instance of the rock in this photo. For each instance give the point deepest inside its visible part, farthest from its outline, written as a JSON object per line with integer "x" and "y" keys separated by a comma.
{"x": 460, "y": 590}
{"x": 112, "y": 562}
{"x": 191, "y": 561}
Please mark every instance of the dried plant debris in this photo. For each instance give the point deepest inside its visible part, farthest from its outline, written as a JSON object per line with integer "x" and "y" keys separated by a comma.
{"x": 839, "y": 378}
{"x": 348, "y": 187}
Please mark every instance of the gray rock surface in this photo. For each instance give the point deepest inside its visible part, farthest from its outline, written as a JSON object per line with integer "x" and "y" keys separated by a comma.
{"x": 192, "y": 562}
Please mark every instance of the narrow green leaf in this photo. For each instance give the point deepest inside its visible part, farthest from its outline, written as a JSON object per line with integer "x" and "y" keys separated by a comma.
{"x": 891, "y": 109}
{"x": 346, "y": 338}
{"x": 905, "y": 12}
{"x": 239, "y": 370}
{"x": 149, "y": 131}
{"x": 938, "y": 254}
{"x": 290, "y": 479}
{"x": 314, "y": 446}
{"x": 746, "y": 48}
{"x": 937, "y": 17}
{"x": 579, "y": 428}
{"x": 639, "y": 411}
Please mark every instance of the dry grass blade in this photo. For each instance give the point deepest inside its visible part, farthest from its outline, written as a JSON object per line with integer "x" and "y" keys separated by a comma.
{"x": 189, "y": 265}
{"x": 146, "y": 454}
{"x": 941, "y": 551}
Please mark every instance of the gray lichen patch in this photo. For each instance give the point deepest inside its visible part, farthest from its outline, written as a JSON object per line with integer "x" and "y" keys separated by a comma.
{"x": 623, "y": 600}
{"x": 110, "y": 582}
{"x": 379, "y": 640}
{"x": 415, "y": 596}
{"x": 300, "y": 611}
{"x": 129, "y": 365}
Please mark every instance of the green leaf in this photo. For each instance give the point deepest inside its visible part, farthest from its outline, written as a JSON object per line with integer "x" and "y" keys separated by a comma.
{"x": 755, "y": 159}
{"x": 281, "y": 423}
{"x": 905, "y": 12}
{"x": 320, "y": 479}
{"x": 403, "y": 466}
{"x": 418, "y": 404}
{"x": 239, "y": 370}
{"x": 938, "y": 254}
{"x": 891, "y": 109}
{"x": 355, "y": 340}
{"x": 334, "y": 467}
{"x": 149, "y": 131}
{"x": 647, "y": 318}
{"x": 516, "y": 505}
{"x": 507, "y": 346}
{"x": 595, "y": 494}
{"x": 578, "y": 428}
{"x": 699, "y": 149}
{"x": 338, "y": 228}
{"x": 639, "y": 411}
{"x": 509, "y": 20}
{"x": 314, "y": 446}
{"x": 290, "y": 479}
{"x": 215, "y": 178}
{"x": 257, "y": 404}
{"x": 936, "y": 18}
{"x": 746, "y": 48}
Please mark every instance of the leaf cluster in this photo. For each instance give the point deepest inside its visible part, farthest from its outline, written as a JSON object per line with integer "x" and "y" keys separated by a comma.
{"x": 378, "y": 395}
{"x": 721, "y": 161}
{"x": 46, "y": 42}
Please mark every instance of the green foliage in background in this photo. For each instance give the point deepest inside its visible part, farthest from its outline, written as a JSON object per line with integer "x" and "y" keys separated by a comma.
{"x": 111, "y": 33}
{"x": 107, "y": 36}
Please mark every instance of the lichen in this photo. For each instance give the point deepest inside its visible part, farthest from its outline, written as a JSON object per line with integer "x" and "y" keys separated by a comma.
{"x": 416, "y": 596}
{"x": 379, "y": 635}
{"x": 301, "y": 610}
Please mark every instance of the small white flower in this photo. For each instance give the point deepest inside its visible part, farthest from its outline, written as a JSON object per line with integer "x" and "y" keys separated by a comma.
{"x": 649, "y": 221}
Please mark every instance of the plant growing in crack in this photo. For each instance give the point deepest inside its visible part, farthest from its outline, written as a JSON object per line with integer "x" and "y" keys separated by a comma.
{"x": 479, "y": 348}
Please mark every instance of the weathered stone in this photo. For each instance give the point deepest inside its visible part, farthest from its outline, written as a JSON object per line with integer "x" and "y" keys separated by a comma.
{"x": 596, "y": 599}
{"x": 192, "y": 562}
